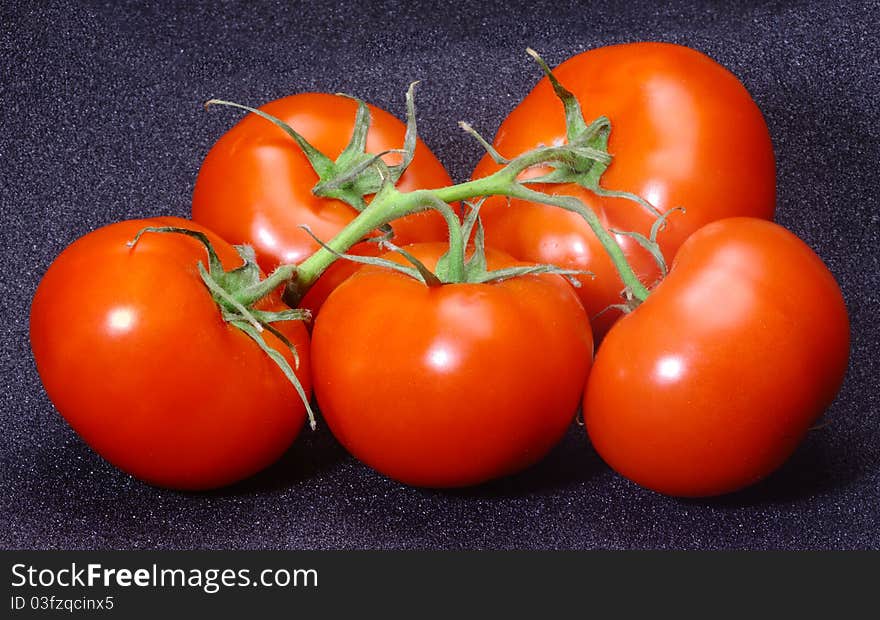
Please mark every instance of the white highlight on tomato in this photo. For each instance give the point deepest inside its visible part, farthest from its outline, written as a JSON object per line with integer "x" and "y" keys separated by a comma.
{"x": 439, "y": 357}
{"x": 266, "y": 237}
{"x": 120, "y": 319}
{"x": 669, "y": 367}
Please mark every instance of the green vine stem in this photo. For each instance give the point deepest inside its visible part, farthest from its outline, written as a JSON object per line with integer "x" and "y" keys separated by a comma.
{"x": 357, "y": 174}
{"x": 630, "y": 280}
{"x": 390, "y": 204}
{"x": 454, "y": 266}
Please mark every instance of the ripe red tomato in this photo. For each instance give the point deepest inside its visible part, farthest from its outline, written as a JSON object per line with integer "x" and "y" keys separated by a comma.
{"x": 452, "y": 385}
{"x": 711, "y": 383}
{"x": 685, "y": 132}
{"x": 255, "y": 184}
{"x": 134, "y": 353}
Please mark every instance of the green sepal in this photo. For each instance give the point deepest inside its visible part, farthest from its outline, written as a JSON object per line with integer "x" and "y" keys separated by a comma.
{"x": 428, "y": 277}
{"x": 229, "y": 305}
{"x": 291, "y": 314}
{"x": 245, "y": 282}
{"x": 577, "y": 131}
{"x": 650, "y": 243}
{"x": 453, "y": 260}
{"x": 281, "y": 362}
{"x": 235, "y": 292}
{"x": 411, "y": 137}
{"x": 507, "y": 273}
{"x": 574, "y": 117}
{"x": 355, "y": 174}
{"x": 584, "y": 169}
{"x": 612, "y": 193}
{"x": 660, "y": 222}
{"x": 418, "y": 271}
{"x": 497, "y": 157}
{"x": 650, "y": 246}
{"x": 624, "y": 308}
{"x": 214, "y": 263}
{"x": 386, "y": 233}
{"x": 243, "y": 277}
{"x": 359, "y": 176}
{"x": 320, "y": 163}
{"x": 475, "y": 266}
{"x": 476, "y": 269}
{"x": 573, "y": 164}
{"x": 450, "y": 266}
{"x": 357, "y": 145}
{"x": 634, "y": 286}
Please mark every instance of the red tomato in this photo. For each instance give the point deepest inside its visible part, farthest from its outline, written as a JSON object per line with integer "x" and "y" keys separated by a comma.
{"x": 453, "y": 385}
{"x": 711, "y": 383}
{"x": 255, "y": 185}
{"x": 685, "y": 132}
{"x": 134, "y": 353}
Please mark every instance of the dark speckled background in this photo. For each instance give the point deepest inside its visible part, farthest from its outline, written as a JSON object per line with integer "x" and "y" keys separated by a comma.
{"x": 102, "y": 120}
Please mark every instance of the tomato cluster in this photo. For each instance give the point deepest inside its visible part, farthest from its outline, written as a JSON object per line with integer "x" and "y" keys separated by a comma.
{"x": 446, "y": 364}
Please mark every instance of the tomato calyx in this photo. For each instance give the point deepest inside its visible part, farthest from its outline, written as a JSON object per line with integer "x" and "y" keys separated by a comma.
{"x": 456, "y": 267}
{"x": 237, "y": 291}
{"x": 593, "y": 136}
{"x": 356, "y": 173}
{"x": 585, "y": 157}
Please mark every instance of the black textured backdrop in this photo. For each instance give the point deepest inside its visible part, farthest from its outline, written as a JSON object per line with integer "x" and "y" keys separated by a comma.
{"x": 102, "y": 120}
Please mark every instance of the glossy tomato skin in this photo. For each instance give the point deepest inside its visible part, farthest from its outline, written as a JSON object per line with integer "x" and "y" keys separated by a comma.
{"x": 454, "y": 385}
{"x": 255, "y": 184}
{"x": 712, "y": 382}
{"x": 133, "y": 352}
{"x": 685, "y": 132}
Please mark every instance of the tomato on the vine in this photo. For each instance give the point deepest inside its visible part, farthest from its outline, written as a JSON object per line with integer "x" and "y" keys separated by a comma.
{"x": 255, "y": 184}
{"x": 711, "y": 383}
{"x": 685, "y": 133}
{"x": 455, "y": 384}
{"x": 136, "y": 356}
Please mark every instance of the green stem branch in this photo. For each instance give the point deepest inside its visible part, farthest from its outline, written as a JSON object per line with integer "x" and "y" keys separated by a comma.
{"x": 390, "y": 204}
{"x": 615, "y": 252}
{"x": 454, "y": 264}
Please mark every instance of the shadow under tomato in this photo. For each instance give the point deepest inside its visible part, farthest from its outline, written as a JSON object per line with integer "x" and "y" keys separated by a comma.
{"x": 312, "y": 453}
{"x": 815, "y": 468}
{"x": 571, "y": 462}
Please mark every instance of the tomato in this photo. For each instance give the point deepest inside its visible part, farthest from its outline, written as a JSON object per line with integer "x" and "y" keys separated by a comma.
{"x": 711, "y": 383}
{"x": 255, "y": 184}
{"x": 685, "y": 132}
{"x": 135, "y": 355}
{"x": 451, "y": 385}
